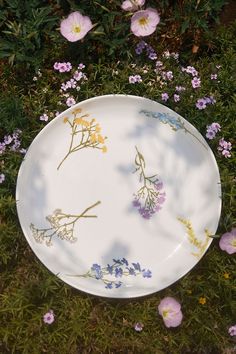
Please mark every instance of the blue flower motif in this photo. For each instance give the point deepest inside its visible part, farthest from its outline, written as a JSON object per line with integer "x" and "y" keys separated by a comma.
{"x": 131, "y": 271}
{"x": 124, "y": 261}
{"x": 118, "y": 272}
{"x": 109, "y": 285}
{"x": 165, "y": 118}
{"x": 146, "y": 273}
{"x": 96, "y": 269}
{"x": 137, "y": 266}
{"x": 118, "y": 285}
{"x": 117, "y": 261}
{"x": 110, "y": 269}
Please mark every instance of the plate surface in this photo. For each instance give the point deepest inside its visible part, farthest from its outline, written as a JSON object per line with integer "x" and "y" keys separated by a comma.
{"x": 118, "y": 195}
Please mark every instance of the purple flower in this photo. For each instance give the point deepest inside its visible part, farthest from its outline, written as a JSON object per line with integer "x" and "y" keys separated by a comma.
{"x": 196, "y": 82}
{"x": 169, "y": 75}
{"x": 144, "y": 22}
{"x": 201, "y": 103}
{"x": 97, "y": 271}
{"x": 228, "y": 241}
{"x": 158, "y": 186}
{"x": 180, "y": 88}
{"x": 159, "y": 63}
{"x": 118, "y": 272}
{"x": 78, "y": 75}
{"x": 138, "y": 327}
{"x": 152, "y": 56}
{"x": 215, "y": 127}
{"x": 44, "y": 117}
{"x": 191, "y": 70}
{"x": 212, "y": 130}
{"x": 2, "y": 148}
{"x": 49, "y": 317}
{"x": 164, "y": 96}
{"x": 132, "y": 6}
{"x": 75, "y": 26}
{"x": 136, "y": 203}
{"x": 232, "y": 330}
{"x": 176, "y": 97}
{"x": 2, "y": 178}
{"x": 70, "y": 101}
{"x": 170, "y": 310}
{"x": 7, "y": 139}
{"x": 224, "y": 147}
{"x": 138, "y": 78}
{"x": 210, "y": 134}
{"x": 81, "y": 66}
{"x": 213, "y": 76}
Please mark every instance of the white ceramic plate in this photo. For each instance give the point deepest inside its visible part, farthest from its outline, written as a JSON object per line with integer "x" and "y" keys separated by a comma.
{"x": 118, "y": 195}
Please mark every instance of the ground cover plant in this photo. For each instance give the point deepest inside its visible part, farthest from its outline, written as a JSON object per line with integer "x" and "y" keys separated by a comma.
{"x": 42, "y": 74}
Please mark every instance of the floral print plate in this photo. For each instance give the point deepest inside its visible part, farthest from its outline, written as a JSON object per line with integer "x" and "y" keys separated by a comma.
{"x": 119, "y": 196}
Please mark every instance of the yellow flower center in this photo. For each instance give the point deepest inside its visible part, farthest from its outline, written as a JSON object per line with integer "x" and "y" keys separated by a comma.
{"x": 143, "y": 21}
{"x": 233, "y": 243}
{"x": 165, "y": 313}
{"x": 76, "y": 29}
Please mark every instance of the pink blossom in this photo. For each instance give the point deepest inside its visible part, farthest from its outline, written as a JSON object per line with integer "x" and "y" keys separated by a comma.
{"x": 228, "y": 241}
{"x": 176, "y": 97}
{"x": 75, "y": 26}
{"x": 213, "y": 76}
{"x": 196, "y": 82}
{"x": 44, "y": 117}
{"x": 144, "y": 22}
{"x": 70, "y": 101}
{"x": 170, "y": 310}
{"x": 138, "y": 327}
{"x": 133, "y": 5}
{"x": 164, "y": 96}
{"x": 232, "y": 330}
{"x": 49, "y": 317}
{"x": 78, "y": 75}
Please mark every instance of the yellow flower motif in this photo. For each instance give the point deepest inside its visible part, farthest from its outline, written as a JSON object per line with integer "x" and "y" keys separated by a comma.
{"x": 100, "y": 139}
{"x": 93, "y": 138}
{"x": 97, "y": 128}
{"x": 226, "y": 275}
{"x": 84, "y": 123}
{"x": 78, "y": 121}
{"x": 104, "y": 148}
{"x": 202, "y": 300}
{"x": 65, "y": 120}
{"x": 76, "y": 111}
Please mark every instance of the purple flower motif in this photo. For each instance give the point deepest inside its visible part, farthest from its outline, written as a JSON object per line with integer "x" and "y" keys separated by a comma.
{"x": 232, "y": 330}
{"x": 132, "y": 6}
{"x": 97, "y": 271}
{"x": 75, "y": 26}
{"x": 164, "y": 96}
{"x": 118, "y": 272}
{"x": 146, "y": 273}
{"x": 144, "y": 22}
{"x": 136, "y": 203}
{"x": 2, "y": 178}
{"x": 138, "y": 327}
{"x": 110, "y": 269}
{"x": 44, "y": 117}
{"x": 137, "y": 266}
{"x": 196, "y": 82}
{"x": 118, "y": 284}
{"x": 170, "y": 310}
{"x": 158, "y": 186}
{"x": 109, "y": 286}
{"x": 49, "y": 317}
{"x": 201, "y": 103}
{"x": 70, "y": 101}
{"x": 228, "y": 241}
{"x": 176, "y": 97}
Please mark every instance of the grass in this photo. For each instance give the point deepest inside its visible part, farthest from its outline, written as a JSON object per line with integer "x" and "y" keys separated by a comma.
{"x": 84, "y": 323}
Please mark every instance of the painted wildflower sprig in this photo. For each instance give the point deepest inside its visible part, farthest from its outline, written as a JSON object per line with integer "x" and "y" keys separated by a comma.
{"x": 110, "y": 274}
{"x": 200, "y": 245}
{"x": 61, "y": 225}
{"x": 84, "y": 134}
{"x": 149, "y": 197}
{"x": 173, "y": 122}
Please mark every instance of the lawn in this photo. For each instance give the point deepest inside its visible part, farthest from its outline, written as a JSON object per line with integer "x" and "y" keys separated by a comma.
{"x": 188, "y": 63}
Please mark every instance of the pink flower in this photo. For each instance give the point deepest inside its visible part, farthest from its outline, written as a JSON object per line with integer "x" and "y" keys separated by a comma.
{"x": 196, "y": 82}
{"x": 133, "y": 5}
{"x": 170, "y": 310}
{"x": 176, "y": 97}
{"x": 232, "y": 330}
{"x": 164, "y": 96}
{"x": 75, "y": 26}
{"x": 228, "y": 241}
{"x": 49, "y": 317}
{"x": 138, "y": 327}
{"x": 144, "y": 22}
{"x": 70, "y": 101}
{"x": 44, "y": 117}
